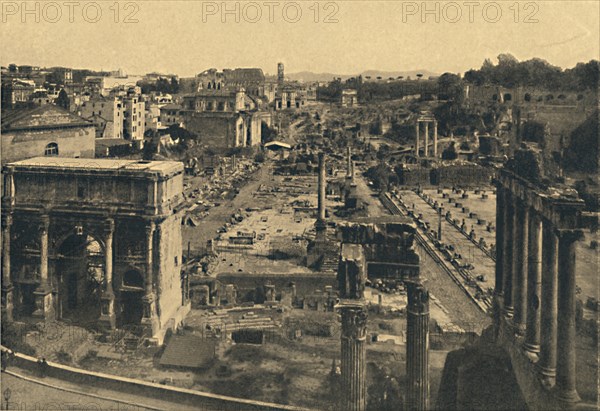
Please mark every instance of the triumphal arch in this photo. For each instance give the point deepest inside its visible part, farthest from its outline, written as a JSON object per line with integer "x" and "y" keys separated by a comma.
{"x": 93, "y": 240}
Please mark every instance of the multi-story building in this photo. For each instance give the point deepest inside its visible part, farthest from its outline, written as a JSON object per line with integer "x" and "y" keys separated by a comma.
{"x": 171, "y": 114}
{"x": 134, "y": 118}
{"x": 106, "y": 113}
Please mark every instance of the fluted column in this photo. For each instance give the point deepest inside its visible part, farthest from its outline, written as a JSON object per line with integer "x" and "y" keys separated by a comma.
{"x": 354, "y": 352}
{"x": 519, "y": 291}
{"x": 417, "y": 348}
{"x": 435, "y": 138}
{"x": 107, "y": 309}
{"x": 426, "y": 138}
{"x": 566, "y": 374}
{"x": 7, "y": 287}
{"x": 508, "y": 239}
{"x": 549, "y": 311}
{"x": 534, "y": 284}
{"x": 417, "y": 139}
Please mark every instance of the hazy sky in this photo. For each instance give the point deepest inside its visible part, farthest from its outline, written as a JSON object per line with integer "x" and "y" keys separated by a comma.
{"x": 186, "y": 37}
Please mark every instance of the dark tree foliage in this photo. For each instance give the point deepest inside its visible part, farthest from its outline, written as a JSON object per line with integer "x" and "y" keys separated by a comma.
{"x": 582, "y": 152}
{"x": 450, "y": 153}
{"x": 63, "y": 100}
{"x": 162, "y": 85}
{"x": 536, "y": 72}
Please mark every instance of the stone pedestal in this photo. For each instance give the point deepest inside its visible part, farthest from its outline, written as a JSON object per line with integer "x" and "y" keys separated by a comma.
{"x": 107, "y": 309}
{"x": 44, "y": 306}
{"x": 354, "y": 352}
{"x": 417, "y": 348}
{"x": 149, "y": 318}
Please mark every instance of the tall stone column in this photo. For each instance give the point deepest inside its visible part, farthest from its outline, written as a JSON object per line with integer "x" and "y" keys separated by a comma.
{"x": 417, "y": 139}
{"x": 348, "y": 162}
{"x": 566, "y": 374}
{"x": 354, "y": 353}
{"x": 351, "y": 282}
{"x": 107, "y": 309}
{"x": 549, "y": 311}
{"x": 534, "y": 285}
{"x": 500, "y": 228}
{"x": 520, "y": 255}
{"x": 7, "y": 287}
{"x": 507, "y": 241}
{"x": 149, "y": 317}
{"x": 426, "y": 138}
{"x": 417, "y": 348}
{"x": 43, "y": 293}
{"x": 435, "y": 139}
{"x": 322, "y": 187}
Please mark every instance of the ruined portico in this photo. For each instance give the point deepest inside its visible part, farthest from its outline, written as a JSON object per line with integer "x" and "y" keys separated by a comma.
{"x": 93, "y": 240}
{"x": 427, "y": 120}
{"x": 381, "y": 248}
{"x": 538, "y": 224}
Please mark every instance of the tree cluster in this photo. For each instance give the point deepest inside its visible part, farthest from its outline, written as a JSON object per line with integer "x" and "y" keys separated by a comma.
{"x": 536, "y": 72}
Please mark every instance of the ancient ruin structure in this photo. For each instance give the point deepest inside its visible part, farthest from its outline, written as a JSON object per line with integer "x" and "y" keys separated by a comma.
{"x": 426, "y": 119}
{"x": 537, "y": 227}
{"x": 380, "y": 248}
{"x": 93, "y": 240}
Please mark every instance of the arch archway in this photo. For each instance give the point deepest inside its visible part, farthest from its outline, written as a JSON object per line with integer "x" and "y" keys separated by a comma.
{"x": 80, "y": 275}
{"x": 131, "y": 301}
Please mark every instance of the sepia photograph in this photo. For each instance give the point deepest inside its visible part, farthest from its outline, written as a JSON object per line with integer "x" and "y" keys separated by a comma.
{"x": 309, "y": 205}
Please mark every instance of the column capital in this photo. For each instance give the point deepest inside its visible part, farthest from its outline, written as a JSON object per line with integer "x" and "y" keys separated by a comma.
{"x": 569, "y": 235}
{"x": 109, "y": 226}
{"x": 150, "y": 227}
{"x": 44, "y": 223}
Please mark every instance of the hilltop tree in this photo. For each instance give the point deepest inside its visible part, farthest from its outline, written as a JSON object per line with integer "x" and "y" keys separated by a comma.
{"x": 63, "y": 100}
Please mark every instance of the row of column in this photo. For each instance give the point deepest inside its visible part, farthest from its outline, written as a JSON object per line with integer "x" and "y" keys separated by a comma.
{"x": 535, "y": 276}
{"x": 435, "y": 137}
{"x": 43, "y": 293}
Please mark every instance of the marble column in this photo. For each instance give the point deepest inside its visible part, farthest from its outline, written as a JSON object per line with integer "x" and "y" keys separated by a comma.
{"x": 417, "y": 348}
{"x": 322, "y": 187}
{"x": 426, "y": 138}
{"x": 435, "y": 138}
{"x": 507, "y": 253}
{"x": 520, "y": 255}
{"x": 7, "y": 287}
{"x": 566, "y": 374}
{"x": 149, "y": 317}
{"x": 354, "y": 353}
{"x": 549, "y": 311}
{"x": 107, "y": 311}
{"x": 417, "y": 131}
{"x": 534, "y": 285}
{"x": 43, "y": 293}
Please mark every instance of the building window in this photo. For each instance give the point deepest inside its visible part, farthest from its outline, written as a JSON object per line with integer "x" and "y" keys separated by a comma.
{"x": 51, "y": 150}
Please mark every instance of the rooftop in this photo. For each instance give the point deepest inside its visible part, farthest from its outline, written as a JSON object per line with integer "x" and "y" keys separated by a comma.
{"x": 60, "y": 163}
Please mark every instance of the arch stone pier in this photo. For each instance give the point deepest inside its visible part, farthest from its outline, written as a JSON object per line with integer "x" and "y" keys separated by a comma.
{"x": 73, "y": 228}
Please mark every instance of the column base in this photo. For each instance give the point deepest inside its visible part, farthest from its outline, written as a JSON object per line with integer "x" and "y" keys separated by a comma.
{"x": 7, "y": 303}
{"x": 531, "y": 353}
{"x": 44, "y": 307}
{"x": 508, "y": 312}
{"x": 108, "y": 318}
{"x": 568, "y": 396}
{"x": 547, "y": 376}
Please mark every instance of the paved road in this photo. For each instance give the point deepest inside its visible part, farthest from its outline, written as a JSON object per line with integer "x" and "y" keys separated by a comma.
{"x": 461, "y": 310}
{"x": 27, "y": 394}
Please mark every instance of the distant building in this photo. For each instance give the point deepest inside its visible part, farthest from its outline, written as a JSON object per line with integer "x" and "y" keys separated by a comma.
{"x": 46, "y": 130}
{"x": 134, "y": 118}
{"x": 349, "y": 98}
{"x": 171, "y": 114}
{"x": 252, "y": 80}
{"x": 106, "y": 113}
{"x": 16, "y": 92}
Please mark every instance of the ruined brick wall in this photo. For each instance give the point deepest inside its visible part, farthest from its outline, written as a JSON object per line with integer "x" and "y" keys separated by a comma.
{"x": 217, "y": 131}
